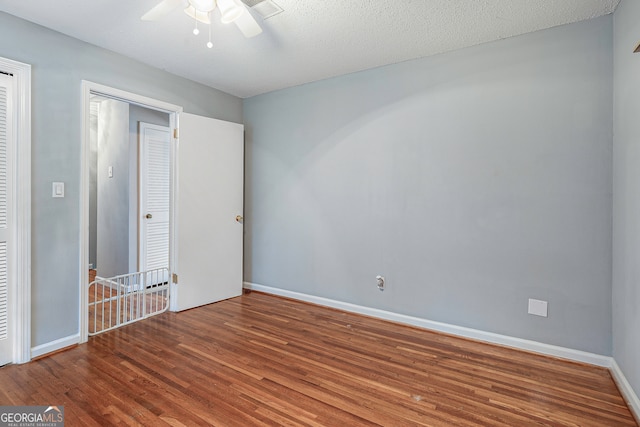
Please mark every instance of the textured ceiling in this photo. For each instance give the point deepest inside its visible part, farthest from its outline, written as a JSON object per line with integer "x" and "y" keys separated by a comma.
{"x": 311, "y": 40}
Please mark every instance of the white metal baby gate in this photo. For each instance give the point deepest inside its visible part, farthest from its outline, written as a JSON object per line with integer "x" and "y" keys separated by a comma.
{"x": 120, "y": 300}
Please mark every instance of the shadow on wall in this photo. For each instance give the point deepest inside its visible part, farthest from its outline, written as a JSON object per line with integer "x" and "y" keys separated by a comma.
{"x": 472, "y": 181}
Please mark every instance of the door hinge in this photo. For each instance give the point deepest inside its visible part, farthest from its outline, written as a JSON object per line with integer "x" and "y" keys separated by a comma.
{"x": 174, "y": 278}
{"x": 175, "y": 133}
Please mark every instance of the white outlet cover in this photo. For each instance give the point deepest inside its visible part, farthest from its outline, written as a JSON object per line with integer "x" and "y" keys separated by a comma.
{"x": 538, "y": 307}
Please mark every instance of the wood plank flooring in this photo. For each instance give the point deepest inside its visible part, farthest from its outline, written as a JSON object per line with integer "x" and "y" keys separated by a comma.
{"x": 260, "y": 360}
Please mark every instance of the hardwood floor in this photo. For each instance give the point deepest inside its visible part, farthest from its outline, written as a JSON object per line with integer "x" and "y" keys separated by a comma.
{"x": 260, "y": 360}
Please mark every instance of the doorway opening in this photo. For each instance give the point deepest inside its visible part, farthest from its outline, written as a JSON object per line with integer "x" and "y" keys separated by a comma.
{"x": 127, "y": 207}
{"x": 129, "y": 204}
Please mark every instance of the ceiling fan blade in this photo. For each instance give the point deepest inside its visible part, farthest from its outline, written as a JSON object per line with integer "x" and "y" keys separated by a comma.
{"x": 247, "y": 23}
{"x": 161, "y": 9}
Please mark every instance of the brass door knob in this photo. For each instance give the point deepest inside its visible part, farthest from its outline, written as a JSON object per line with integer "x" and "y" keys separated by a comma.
{"x": 148, "y": 216}
{"x": 239, "y": 218}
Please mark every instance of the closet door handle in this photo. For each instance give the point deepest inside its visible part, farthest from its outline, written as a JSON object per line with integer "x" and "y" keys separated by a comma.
{"x": 148, "y": 216}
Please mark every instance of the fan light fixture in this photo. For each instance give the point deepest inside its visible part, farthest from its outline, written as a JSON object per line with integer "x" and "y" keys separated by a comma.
{"x": 201, "y": 12}
{"x": 198, "y": 15}
{"x": 203, "y": 5}
{"x": 230, "y": 11}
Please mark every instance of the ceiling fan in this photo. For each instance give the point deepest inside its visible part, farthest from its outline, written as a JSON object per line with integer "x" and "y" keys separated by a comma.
{"x": 201, "y": 10}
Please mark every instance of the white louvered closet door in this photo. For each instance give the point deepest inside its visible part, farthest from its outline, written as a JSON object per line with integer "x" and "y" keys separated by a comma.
{"x": 6, "y": 196}
{"x": 155, "y": 181}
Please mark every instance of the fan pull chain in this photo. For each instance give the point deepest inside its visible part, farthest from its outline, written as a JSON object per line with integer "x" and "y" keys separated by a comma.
{"x": 196, "y": 31}
{"x": 209, "y": 44}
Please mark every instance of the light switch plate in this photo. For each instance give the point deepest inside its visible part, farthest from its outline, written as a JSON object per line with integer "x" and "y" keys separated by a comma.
{"x": 538, "y": 308}
{"x": 57, "y": 189}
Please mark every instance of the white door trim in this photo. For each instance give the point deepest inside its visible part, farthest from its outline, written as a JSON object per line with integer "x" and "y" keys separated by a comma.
{"x": 21, "y": 286}
{"x": 173, "y": 110}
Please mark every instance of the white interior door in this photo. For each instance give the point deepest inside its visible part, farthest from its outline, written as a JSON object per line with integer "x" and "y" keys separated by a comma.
{"x": 155, "y": 182}
{"x": 209, "y": 207}
{"x": 6, "y": 220}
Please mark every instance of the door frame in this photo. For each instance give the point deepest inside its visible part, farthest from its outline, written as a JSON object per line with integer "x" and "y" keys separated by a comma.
{"x": 20, "y": 255}
{"x": 174, "y": 111}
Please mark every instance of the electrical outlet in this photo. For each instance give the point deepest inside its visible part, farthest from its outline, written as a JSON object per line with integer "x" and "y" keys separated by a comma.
{"x": 380, "y": 280}
{"x": 538, "y": 308}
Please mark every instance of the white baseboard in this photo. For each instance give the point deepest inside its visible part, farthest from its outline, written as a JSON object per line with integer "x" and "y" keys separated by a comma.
{"x": 625, "y": 388}
{"x": 56, "y": 345}
{"x": 519, "y": 343}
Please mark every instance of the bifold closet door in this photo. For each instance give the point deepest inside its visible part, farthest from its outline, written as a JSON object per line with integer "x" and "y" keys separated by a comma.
{"x": 6, "y": 220}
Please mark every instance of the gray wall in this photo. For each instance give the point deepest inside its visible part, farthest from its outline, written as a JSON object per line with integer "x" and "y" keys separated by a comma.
{"x": 472, "y": 180}
{"x": 138, "y": 114}
{"x": 626, "y": 192}
{"x": 112, "y": 237}
{"x": 59, "y": 64}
